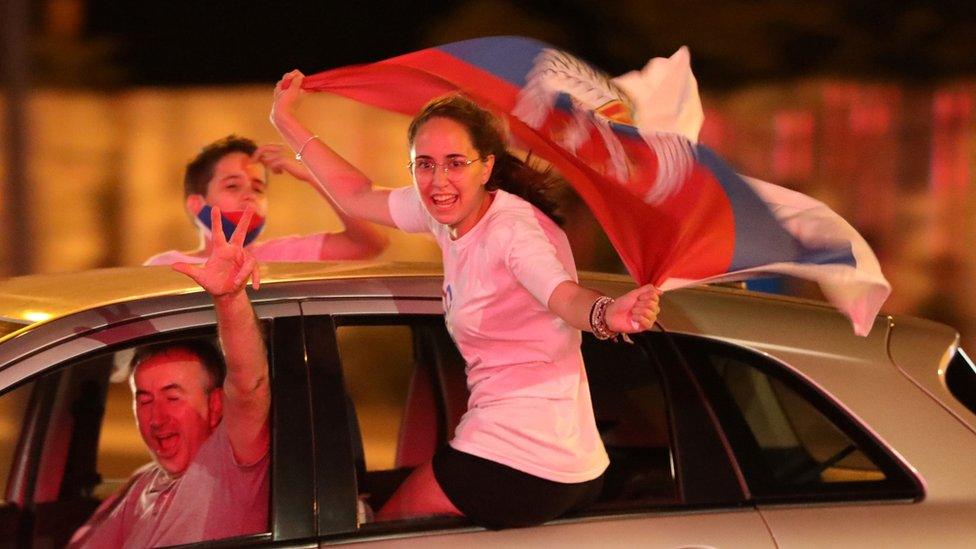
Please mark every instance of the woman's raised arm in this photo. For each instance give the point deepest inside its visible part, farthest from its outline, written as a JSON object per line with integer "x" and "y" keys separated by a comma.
{"x": 344, "y": 183}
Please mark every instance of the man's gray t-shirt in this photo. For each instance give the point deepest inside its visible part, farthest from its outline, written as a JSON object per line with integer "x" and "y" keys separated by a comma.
{"x": 215, "y": 498}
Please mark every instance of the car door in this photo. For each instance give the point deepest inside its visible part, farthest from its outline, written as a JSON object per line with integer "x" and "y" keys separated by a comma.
{"x": 672, "y": 482}
{"x": 58, "y": 471}
{"x": 818, "y": 475}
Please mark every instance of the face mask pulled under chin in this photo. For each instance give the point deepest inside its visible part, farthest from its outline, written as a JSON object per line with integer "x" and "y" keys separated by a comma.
{"x": 229, "y": 220}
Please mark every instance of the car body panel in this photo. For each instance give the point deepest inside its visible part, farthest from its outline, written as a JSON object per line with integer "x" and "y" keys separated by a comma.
{"x": 58, "y": 294}
{"x": 32, "y": 300}
{"x": 846, "y": 367}
{"x": 851, "y": 371}
{"x": 669, "y": 530}
{"x": 943, "y": 524}
{"x": 922, "y": 349}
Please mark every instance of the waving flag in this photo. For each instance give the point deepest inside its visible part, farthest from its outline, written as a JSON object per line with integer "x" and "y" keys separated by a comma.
{"x": 673, "y": 210}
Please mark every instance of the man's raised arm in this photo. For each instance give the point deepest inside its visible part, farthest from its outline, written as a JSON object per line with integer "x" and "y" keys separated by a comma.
{"x": 247, "y": 395}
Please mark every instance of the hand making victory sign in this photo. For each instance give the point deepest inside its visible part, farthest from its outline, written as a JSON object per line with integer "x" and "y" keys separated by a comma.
{"x": 229, "y": 266}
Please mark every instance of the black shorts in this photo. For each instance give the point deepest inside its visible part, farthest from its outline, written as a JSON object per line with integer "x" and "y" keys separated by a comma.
{"x": 497, "y": 496}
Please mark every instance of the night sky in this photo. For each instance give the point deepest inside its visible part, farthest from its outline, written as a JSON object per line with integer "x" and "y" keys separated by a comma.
{"x": 733, "y": 42}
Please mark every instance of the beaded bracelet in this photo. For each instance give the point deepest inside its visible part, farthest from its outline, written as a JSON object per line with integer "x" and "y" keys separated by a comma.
{"x": 598, "y": 318}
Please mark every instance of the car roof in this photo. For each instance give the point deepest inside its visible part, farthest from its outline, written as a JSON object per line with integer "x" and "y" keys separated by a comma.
{"x": 71, "y": 303}
{"x": 30, "y": 300}
{"x": 33, "y": 299}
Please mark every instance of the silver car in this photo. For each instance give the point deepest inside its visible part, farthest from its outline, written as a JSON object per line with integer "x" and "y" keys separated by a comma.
{"x": 742, "y": 420}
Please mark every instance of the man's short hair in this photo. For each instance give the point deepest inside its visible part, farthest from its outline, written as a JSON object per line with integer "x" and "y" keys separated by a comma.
{"x": 200, "y": 170}
{"x": 210, "y": 359}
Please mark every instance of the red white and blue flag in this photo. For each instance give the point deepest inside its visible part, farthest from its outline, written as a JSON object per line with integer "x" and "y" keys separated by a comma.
{"x": 673, "y": 210}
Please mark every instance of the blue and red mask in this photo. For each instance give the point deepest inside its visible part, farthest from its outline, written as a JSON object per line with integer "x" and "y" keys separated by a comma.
{"x": 229, "y": 221}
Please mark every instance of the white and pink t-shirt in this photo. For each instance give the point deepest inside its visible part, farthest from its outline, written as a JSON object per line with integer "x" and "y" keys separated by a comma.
{"x": 287, "y": 248}
{"x": 530, "y": 405}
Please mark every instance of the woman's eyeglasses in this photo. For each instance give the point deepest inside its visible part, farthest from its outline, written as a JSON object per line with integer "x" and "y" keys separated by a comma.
{"x": 454, "y": 167}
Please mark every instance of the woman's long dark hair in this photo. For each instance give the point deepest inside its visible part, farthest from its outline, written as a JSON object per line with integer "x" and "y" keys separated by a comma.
{"x": 510, "y": 173}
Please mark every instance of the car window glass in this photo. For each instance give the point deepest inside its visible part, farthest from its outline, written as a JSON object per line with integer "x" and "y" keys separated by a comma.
{"x": 13, "y": 410}
{"x": 960, "y": 378}
{"x": 799, "y": 444}
{"x": 93, "y": 416}
{"x": 71, "y": 399}
{"x": 789, "y": 440}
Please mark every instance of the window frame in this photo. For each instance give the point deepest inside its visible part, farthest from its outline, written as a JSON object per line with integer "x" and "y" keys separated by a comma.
{"x": 697, "y": 441}
{"x": 900, "y": 482}
{"x": 291, "y": 507}
{"x": 706, "y": 475}
{"x": 338, "y": 490}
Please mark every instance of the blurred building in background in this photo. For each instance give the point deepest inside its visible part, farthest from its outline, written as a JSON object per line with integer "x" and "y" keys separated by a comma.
{"x": 869, "y": 108}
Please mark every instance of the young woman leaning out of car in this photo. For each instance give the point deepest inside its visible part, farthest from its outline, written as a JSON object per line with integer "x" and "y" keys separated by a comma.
{"x": 527, "y": 449}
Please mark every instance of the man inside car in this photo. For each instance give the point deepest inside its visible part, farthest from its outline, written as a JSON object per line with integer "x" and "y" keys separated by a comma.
{"x": 231, "y": 174}
{"x": 207, "y": 431}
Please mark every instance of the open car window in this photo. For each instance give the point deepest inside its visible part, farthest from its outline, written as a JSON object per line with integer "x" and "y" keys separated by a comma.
{"x": 406, "y": 384}
{"x": 631, "y": 410}
{"x": 395, "y": 382}
{"x": 86, "y": 445}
